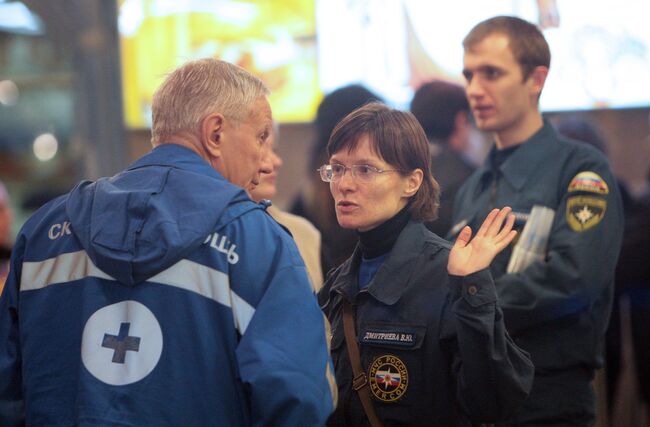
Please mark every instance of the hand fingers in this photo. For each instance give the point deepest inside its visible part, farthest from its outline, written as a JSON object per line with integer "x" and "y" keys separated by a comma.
{"x": 507, "y": 227}
{"x": 463, "y": 237}
{"x": 501, "y": 244}
{"x": 497, "y": 223}
{"x": 487, "y": 223}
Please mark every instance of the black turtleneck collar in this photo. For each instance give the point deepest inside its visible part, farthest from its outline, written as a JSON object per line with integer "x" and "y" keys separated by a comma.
{"x": 380, "y": 240}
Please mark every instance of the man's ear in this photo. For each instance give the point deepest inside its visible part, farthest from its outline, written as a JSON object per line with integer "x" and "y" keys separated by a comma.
{"x": 536, "y": 80}
{"x": 413, "y": 182}
{"x": 212, "y": 128}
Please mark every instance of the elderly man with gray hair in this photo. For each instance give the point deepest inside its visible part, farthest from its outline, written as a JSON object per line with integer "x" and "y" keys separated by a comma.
{"x": 163, "y": 295}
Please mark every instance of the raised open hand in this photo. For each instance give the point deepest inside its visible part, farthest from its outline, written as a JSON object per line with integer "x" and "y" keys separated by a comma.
{"x": 469, "y": 256}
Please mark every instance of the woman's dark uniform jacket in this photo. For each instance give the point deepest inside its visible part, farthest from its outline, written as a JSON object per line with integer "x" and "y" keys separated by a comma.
{"x": 434, "y": 346}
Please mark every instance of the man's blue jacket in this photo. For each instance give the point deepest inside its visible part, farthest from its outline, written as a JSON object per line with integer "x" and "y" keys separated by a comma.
{"x": 160, "y": 296}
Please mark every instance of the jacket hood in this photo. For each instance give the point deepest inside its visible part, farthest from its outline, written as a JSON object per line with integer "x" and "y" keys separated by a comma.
{"x": 146, "y": 218}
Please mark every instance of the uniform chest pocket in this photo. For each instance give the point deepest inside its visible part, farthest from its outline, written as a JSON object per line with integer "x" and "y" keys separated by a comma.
{"x": 392, "y": 357}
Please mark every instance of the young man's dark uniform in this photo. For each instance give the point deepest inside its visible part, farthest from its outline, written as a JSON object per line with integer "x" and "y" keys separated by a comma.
{"x": 556, "y": 309}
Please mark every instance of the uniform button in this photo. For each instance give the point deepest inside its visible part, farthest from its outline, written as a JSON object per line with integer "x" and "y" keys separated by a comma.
{"x": 472, "y": 290}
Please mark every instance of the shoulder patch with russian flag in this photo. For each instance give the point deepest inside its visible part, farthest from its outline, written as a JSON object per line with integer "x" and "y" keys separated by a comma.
{"x": 589, "y": 182}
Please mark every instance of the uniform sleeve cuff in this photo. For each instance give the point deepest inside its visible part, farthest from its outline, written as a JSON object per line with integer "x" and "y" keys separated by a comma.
{"x": 476, "y": 289}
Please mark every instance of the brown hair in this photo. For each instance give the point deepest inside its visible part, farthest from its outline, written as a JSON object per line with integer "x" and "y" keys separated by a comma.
{"x": 436, "y": 104}
{"x": 526, "y": 41}
{"x": 397, "y": 137}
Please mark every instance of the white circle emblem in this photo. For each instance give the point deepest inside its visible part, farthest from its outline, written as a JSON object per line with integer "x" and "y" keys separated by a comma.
{"x": 121, "y": 343}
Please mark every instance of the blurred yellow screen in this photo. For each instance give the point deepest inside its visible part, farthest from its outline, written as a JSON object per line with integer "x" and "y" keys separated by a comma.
{"x": 274, "y": 40}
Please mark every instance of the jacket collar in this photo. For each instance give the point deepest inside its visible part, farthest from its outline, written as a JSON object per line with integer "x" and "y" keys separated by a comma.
{"x": 177, "y": 156}
{"x": 516, "y": 169}
{"x": 393, "y": 277}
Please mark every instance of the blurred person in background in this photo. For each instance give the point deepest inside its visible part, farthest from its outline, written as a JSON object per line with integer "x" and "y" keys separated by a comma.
{"x": 307, "y": 237}
{"x": 314, "y": 202}
{"x": 557, "y": 308}
{"x": 443, "y": 112}
{"x": 583, "y": 129}
{"x": 630, "y": 320}
{"x": 6, "y": 219}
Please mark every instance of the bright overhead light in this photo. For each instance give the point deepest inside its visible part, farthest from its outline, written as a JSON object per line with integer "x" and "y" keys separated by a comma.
{"x": 15, "y": 17}
{"x": 8, "y": 93}
{"x": 45, "y": 147}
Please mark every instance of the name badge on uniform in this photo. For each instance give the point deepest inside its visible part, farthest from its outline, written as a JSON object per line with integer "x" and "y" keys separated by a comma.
{"x": 399, "y": 338}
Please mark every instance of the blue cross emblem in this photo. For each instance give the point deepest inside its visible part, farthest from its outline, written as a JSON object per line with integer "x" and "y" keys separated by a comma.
{"x": 121, "y": 343}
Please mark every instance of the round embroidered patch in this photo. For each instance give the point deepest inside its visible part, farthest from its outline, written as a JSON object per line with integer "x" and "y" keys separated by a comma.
{"x": 388, "y": 378}
{"x": 584, "y": 212}
{"x": 589, "y": 182}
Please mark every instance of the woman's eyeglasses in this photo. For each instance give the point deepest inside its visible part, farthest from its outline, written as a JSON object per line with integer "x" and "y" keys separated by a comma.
{"x": 362, "y": 173}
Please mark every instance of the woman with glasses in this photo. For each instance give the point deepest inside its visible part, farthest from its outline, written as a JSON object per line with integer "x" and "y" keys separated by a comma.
{"x": 418, "y": 336}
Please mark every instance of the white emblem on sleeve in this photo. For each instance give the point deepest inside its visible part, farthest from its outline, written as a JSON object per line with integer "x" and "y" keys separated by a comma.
{"x": 121, "y": 343}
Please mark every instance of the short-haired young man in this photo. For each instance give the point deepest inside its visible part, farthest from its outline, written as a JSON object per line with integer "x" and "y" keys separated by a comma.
{"x": 557, "y": 308}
